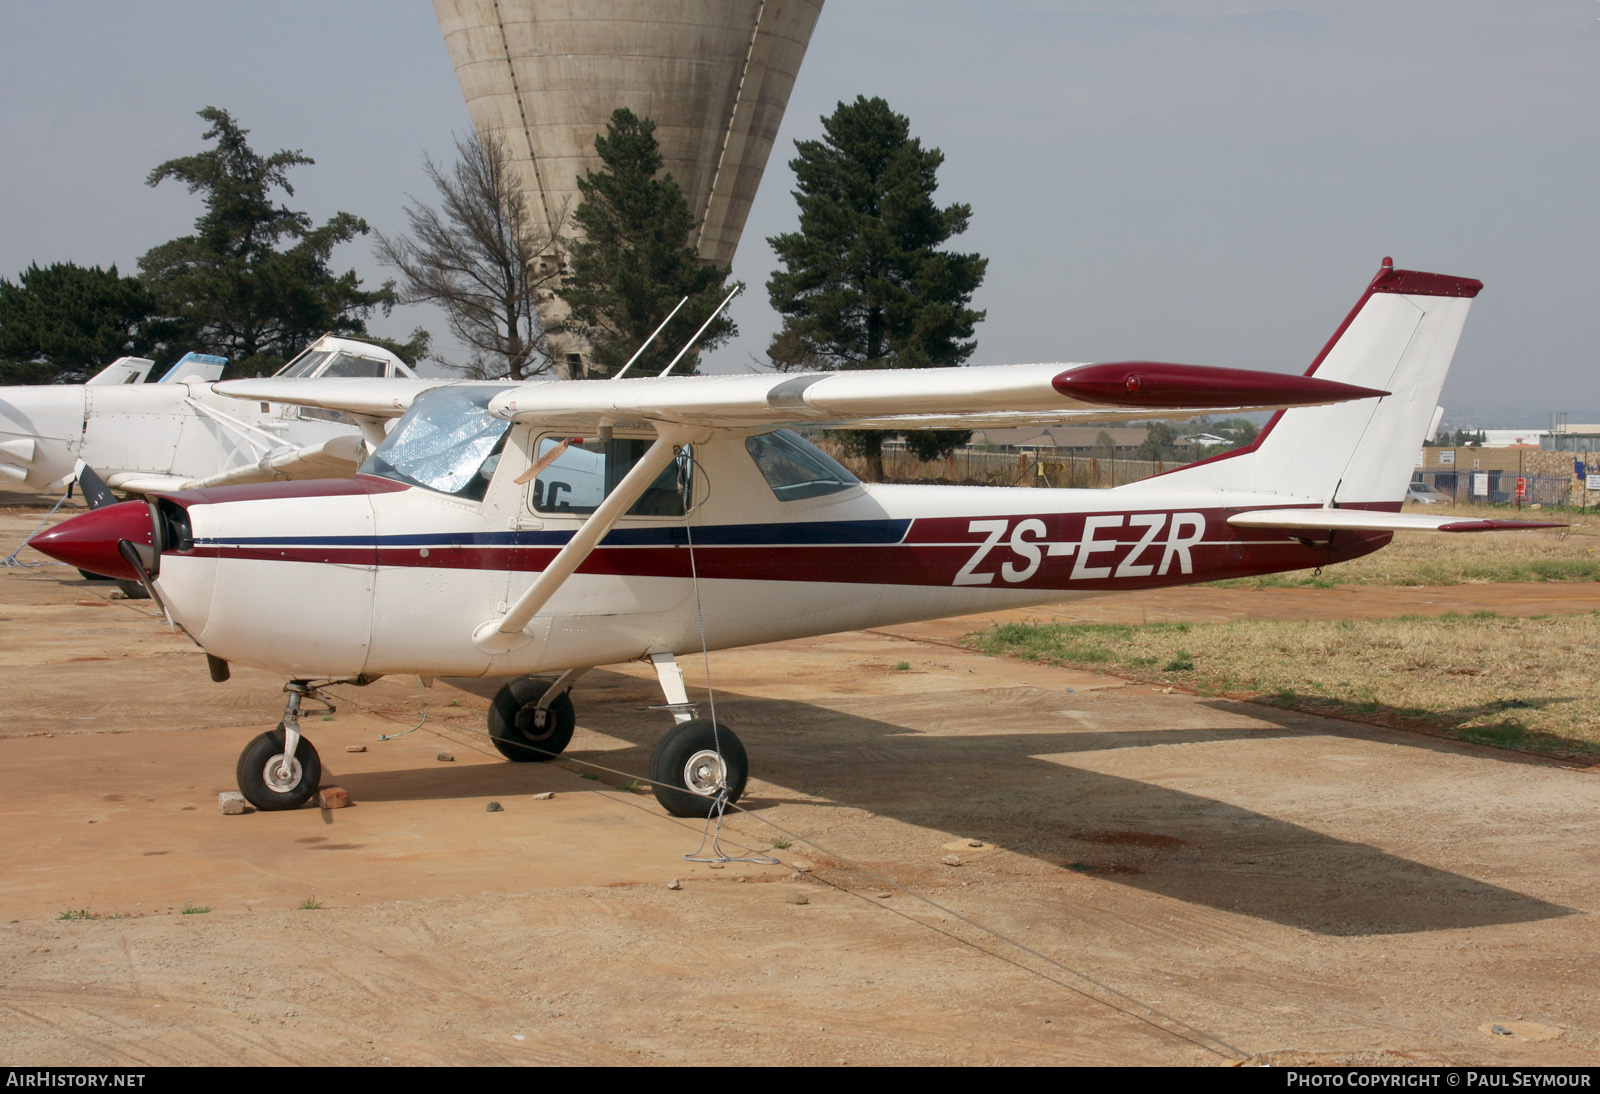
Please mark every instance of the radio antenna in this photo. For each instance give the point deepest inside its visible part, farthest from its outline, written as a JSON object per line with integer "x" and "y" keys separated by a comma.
{"x": 737, "y": 289}
{"x": 652, "y": 338}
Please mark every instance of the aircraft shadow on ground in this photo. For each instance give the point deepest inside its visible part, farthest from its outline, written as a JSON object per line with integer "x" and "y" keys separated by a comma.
{"x": 995, "y": 786}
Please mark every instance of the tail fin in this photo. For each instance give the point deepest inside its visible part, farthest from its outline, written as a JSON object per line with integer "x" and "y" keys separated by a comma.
{"x": 1400, "y": 338}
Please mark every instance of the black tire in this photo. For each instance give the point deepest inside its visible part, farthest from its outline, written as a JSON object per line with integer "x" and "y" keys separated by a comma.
{"x": 262, "y": 788}
{"x": 133, "y": 590}
{"x": 682, "y": 767}
{"x": 524, "y": 733}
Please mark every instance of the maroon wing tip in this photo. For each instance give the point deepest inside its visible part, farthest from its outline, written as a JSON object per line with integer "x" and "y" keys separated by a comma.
{"x": 1157, "y": 385}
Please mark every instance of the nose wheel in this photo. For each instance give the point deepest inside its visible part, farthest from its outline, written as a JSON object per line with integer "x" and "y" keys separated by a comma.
{"x": 280, "y": 769}
{"x": 271, "y": 779}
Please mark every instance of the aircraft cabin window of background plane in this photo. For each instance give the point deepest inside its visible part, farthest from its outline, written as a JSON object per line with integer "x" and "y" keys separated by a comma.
{"x": 582, "y": 472}
{"x": 344, "y": 364}
{"x": 451, "y": 446}
{"x": 795, "y": 469}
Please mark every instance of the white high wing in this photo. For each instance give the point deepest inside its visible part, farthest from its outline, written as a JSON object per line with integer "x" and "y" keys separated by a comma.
{"x": 508, "y": 530}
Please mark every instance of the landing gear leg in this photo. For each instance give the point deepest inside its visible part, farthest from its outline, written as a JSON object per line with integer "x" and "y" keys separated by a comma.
{"x": 280, "y": 769}
{"x": 699, "y": 765}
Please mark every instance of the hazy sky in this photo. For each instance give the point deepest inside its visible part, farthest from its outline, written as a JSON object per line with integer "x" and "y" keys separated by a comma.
{"x": 1210, "y": 181}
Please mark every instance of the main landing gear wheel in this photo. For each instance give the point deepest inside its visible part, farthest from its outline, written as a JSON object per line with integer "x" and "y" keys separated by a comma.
{"x": 524, "y": 733}
{"x": 268, "y": 783}
{"x": 687, "y": 773}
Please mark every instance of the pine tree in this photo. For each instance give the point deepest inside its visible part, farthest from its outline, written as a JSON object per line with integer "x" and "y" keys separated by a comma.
{"x": 865, "y": 283}
{"x": 634, "y": 262}
{"x": 253, "y": 282}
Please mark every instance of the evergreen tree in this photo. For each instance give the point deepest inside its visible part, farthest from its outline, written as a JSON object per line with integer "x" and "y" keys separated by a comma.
{"x": 253, "y": 282}
{"x": 68, "y": 318}
{"x": 634, "y": 262}
{"x": 865, "y": 284}
{"x": 1159, "y": 439}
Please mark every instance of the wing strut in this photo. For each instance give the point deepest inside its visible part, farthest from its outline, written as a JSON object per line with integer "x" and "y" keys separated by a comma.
{"x": 505, "y": 634}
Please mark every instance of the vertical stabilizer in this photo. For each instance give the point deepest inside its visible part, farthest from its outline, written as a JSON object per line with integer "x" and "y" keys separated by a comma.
{"x": 1400, "y": 337}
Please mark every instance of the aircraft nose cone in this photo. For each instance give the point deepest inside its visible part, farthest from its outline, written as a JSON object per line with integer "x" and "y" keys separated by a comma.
{"x": 89, "y": 541}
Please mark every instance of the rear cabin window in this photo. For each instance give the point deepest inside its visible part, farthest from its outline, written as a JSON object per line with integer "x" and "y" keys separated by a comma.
{"x": 578, "y": 473}
{"x": 794, "y": 468}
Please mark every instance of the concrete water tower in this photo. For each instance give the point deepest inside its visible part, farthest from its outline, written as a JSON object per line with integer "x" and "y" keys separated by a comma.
{"x": 714, "y": 75}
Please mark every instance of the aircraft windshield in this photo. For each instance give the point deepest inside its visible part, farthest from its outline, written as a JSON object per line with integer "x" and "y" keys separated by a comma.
{"x": 447, "y": 442}
{"x": 305, "y": 364}
{"x": 334, "y": 363}
{"x": 796, "y": 469}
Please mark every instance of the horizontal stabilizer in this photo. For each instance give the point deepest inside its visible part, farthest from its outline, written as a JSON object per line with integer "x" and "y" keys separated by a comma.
{"x": 1371, "y": 520}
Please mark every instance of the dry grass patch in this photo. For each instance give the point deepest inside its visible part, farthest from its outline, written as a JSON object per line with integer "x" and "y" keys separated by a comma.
{"x": 1433, "y": 558}
{"x": 1522, "y": 683}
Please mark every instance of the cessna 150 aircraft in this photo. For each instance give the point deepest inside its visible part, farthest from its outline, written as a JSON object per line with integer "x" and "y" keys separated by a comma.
{"x": 511, "y": 529}
{"x": 180, "y": 433}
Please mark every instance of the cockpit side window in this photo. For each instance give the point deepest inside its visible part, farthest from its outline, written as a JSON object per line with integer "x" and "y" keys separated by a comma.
{"x": 796, "y": 469}
{"x": 577, "y": 474}
{"x": 448, "y": 442}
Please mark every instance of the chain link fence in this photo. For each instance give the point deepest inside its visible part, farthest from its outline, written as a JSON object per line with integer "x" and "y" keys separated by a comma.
{"x": 982, "y": 467}
{"x": 1500, "y": 487}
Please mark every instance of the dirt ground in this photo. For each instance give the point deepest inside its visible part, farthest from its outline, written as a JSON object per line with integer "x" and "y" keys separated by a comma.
{"x": 1138, "y": 876}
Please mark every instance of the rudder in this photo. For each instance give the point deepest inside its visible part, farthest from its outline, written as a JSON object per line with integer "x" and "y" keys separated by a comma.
{"x": 1400, "y": 337}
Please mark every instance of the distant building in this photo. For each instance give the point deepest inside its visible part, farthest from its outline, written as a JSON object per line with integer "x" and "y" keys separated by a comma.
{"x": 1065, "y": 440}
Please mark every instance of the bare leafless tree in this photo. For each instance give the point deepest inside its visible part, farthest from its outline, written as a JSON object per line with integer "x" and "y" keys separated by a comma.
{"x": 482, "y": 258}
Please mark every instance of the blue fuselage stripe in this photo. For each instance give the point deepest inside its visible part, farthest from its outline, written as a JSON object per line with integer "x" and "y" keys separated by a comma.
{"x": 855, "y": 532}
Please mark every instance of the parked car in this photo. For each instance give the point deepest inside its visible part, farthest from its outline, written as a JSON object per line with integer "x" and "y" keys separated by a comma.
{"x": 1424, "y": 494}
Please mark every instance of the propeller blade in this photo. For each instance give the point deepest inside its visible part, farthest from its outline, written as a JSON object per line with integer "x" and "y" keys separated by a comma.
{"x": 130, "y": 555}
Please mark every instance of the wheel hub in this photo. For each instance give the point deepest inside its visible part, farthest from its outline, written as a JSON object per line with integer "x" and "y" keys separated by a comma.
{"x": 704, "y": 773}
{"x": 281, "y": 778}
{"x": 535, "y": 724}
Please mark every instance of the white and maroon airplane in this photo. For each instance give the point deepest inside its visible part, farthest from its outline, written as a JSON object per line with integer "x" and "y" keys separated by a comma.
{"x": 507, "y": 530}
